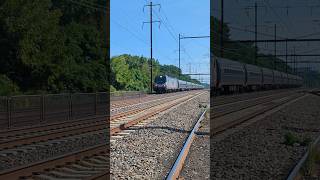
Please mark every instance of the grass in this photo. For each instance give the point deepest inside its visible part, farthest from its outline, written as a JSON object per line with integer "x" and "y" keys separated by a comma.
{"x": 309, "y": 165}
{"x": 291, "y": 139}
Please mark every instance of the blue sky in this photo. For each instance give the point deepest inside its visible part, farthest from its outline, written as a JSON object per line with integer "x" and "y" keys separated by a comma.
{"x": 188, "y": 17}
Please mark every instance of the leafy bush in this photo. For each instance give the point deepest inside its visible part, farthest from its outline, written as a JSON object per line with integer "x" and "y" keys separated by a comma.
{"x": 306, "y": 141}
{"x": 290, "y": 139}
{"x": 7, "y": 87}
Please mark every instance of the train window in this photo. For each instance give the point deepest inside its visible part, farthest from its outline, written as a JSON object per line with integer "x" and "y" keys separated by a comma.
{"x": 160, "y": 79}
{"x": 231, "y": 71}
{"x": 254, "y": 74}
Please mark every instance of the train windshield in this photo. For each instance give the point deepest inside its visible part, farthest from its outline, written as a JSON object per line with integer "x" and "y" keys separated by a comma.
{"x": 160, "y": 79}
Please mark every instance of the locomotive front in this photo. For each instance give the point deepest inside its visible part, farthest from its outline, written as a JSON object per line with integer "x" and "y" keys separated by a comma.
{"x": 160, "y": 84}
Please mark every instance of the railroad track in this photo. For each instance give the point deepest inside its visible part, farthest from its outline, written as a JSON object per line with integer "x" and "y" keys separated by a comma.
{"x": 227, "y": 119}
{"x": 221, "y": 100}
{"x": 174, "y": 173}
{"x": 127, "y": 102}
{"x": 261, "y": 105}
{"x": 139, "y": 119}
{"x": 23, "y": 136}
{"x": 66, "y": 165}
{"x": 315, "y": 92}
{"x": 88, "y": 163}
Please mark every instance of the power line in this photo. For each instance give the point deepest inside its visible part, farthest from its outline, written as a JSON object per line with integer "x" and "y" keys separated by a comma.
{"x": 268, "y": 4}
{"x": 166, "y": 23}
{"x": 91, "y": 6}
{"x": 128, "y": 30}
{"x": 246, "y": 30}
{"x": 133, "y": 34}
{"x": 167, "y": 28}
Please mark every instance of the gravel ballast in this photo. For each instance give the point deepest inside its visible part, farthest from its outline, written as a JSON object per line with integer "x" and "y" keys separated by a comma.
{"x": 150, "y": 151}
{"x": 258, "y": 151}
{"x": 27, "y": 154}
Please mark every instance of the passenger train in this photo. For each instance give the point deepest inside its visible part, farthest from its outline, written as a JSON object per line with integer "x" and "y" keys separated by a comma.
{"x": 164, "y": 83}
{"x": 232, "y": 76}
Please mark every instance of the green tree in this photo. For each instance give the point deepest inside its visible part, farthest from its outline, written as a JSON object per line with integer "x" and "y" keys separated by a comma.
{"x": 7, "y": 86}
{"x": 133, "y": 72}
{"x": 53, "y": 46}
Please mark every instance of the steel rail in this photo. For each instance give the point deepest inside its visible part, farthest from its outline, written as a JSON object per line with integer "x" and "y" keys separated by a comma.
{"x": 251, "y": 103}
{"x": 29, "y": 169}
{"x": 152, "y": 100}
{"x": 148, "y": 115}
{"x": 268, "y": 107}
{"x": 178, "y": 165}
{"x": 36, "y": 134}
{"x": 295, "y": 171}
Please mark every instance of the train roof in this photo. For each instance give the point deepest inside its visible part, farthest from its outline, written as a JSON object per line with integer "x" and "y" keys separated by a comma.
{"x": 225, "y": 61}
{"x": 179, "y": 80}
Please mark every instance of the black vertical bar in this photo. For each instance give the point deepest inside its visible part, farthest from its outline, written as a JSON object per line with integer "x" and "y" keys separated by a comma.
{"x": 95, "y": 103}
{"x": 179, "y": 49}
{"x": 9, "y": 112}
{"x": 42, "y": 108}
{"x": 179, "y": 57}
{"x": 286, "y": 56}
{"x": 151, "y": 45}
{"x": 294, "y": 60}
{"x": 70, "y": 106}
{"x": 221, "y": 29}
{"x": 275, "y": 46}
{"x": 255, "y": 32}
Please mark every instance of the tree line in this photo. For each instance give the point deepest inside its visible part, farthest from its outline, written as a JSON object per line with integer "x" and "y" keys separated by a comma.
{"x": 133, "y": 72}
{"x": 52, "y": 46}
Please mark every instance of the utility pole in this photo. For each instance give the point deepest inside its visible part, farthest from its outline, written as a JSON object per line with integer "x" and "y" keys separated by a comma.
{"x": 151, "y": 22}
{"x": 187, "y": 37}
{"x": 179, "y": 54}
{"x": 275, "y": 47}
{"x": 190, "y": 37}
{"x": 221, "y": 29}
{"x": 255, "y": 33}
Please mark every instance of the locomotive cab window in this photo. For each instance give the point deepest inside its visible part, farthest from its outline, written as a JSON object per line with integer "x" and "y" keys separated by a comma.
{"x": 160, "y": 79}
